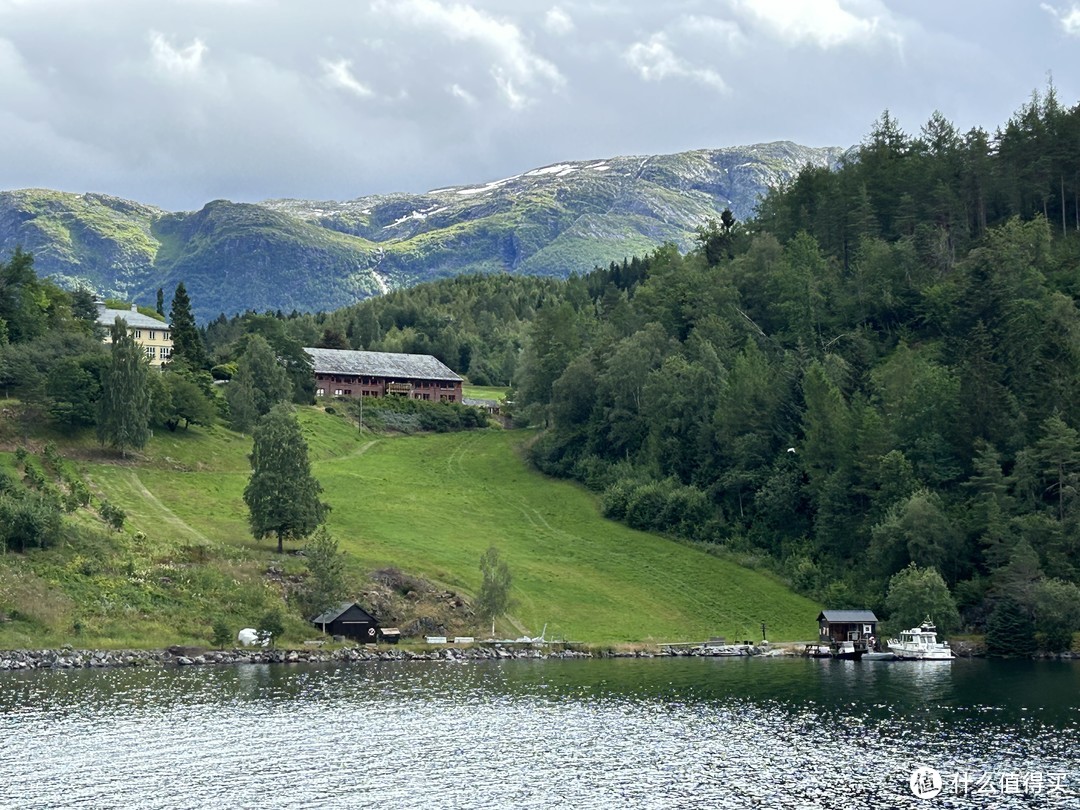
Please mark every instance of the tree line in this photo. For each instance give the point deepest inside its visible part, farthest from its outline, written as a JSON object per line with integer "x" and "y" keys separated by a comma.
{"x": 870, "y": 387}
{"x": 877, "y": 373}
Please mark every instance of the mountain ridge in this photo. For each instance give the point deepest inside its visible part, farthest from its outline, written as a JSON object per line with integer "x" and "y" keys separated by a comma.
{"x": 309, "y": 255}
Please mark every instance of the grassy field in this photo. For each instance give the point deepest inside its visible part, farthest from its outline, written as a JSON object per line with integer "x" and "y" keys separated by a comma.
{"x": 427, "y": 504}
{"x": 484, "y": 392}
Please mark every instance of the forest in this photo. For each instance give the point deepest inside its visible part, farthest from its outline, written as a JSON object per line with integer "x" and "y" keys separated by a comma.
{"x": 876, "y": 377}
{"x": 874, "y": 380}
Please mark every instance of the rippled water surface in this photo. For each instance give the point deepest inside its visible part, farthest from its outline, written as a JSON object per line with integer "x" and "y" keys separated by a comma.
{"x": 662, "y": 733}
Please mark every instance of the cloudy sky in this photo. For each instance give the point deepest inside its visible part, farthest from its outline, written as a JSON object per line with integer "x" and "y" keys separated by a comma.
{"x": 178, "y": 102}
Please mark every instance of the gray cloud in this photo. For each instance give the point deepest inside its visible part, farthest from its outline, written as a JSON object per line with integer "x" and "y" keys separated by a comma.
{"x": 178, "y": 102}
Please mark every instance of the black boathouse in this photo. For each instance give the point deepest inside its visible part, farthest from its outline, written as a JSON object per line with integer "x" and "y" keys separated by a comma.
{"x": 349, "y": 620}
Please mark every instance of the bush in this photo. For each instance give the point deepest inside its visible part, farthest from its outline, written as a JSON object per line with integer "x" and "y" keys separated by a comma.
{"x": 645, "y": 507}
{"x": 29, "y": 522}
{"x": 222, "y": 635}
{"x": 615, "y": 499}
{"x": 271, "y": 626}
{"x": 224, "y": 371}
{"x": 113, "y": 515}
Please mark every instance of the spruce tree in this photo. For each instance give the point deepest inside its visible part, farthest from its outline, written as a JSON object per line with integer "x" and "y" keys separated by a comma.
{"x": 1010, "y": 630}
{"x": 124, "y": 407}
{"x": 187, "y": 344}
{"x": 282, "y": 496}
{"x": 260, "y": 383}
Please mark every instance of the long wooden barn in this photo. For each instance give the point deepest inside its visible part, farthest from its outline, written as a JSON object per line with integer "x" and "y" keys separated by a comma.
{"x": 342, "y": 373}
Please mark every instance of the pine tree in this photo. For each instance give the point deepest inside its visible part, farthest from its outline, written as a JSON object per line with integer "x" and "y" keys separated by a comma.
{"x": 1010, "y": 630}
{"x": 282, "y": 496}
{"x": 160, "y": 301}
{"x": 187, "y": 344}
{"x": 260, "y": 383}
{"x": 124, "y": 407}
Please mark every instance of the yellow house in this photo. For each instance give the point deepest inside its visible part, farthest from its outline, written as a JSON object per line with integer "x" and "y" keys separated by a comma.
{"x": 153, "y": 335}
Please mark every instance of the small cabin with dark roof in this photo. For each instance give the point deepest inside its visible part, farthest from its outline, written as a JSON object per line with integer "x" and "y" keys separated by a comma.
{"x": 349, "y": 620}
{"x": 847, "y": 625}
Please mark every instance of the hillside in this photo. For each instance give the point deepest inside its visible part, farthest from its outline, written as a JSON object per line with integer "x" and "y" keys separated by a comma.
{"x": 309, "y": 256}
{"x": 427, "y": 505}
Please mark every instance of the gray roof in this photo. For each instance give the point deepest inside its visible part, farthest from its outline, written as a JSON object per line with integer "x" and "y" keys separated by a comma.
{"x": 135, "y": 320}
{"x": 842, "y": 616}
{"x": 332, "y": 613}
{"x": 380, "y": 364}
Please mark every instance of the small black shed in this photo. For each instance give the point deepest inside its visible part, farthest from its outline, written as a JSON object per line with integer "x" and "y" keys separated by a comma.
{"x": 350, "y": 620}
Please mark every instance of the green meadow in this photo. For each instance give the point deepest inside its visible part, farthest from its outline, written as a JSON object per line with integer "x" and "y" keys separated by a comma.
{"x": 427, "y": 504}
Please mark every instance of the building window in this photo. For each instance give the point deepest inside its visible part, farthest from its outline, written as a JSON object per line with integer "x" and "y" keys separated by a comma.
{"x": 138, "y": 333}
{"x": 338, "y": 392}
{"x": 164, "y": 335}
{"x": 348, "y": 392}
{"x": 150, "y": 352}
{"x": 320, "y": 392}
{"x": 166, "y": 352}
{"x": 153, "y": 335}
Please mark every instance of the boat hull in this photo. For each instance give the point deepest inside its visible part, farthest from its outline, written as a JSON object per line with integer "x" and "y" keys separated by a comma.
{"x": 924, "y": 655}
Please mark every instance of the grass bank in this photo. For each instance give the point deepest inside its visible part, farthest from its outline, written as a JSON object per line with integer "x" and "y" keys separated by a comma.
{"x": 426, "y": 504}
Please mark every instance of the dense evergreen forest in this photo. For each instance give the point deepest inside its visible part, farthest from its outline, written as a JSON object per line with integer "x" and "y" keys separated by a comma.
{"x": 880, "y": 371}
{"x": 872, "y": 383}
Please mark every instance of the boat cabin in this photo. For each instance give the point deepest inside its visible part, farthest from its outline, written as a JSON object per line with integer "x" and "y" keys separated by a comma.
{"x": 858, "y": 626}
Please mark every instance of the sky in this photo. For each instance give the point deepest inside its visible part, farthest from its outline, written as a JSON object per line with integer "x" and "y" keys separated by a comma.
{"x": 179, "y": 102}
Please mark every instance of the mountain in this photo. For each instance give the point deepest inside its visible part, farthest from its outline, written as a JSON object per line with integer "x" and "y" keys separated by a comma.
{"x": 307, "y": 255}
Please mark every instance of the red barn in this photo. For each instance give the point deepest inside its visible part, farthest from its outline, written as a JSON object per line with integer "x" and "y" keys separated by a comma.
{"x": 341, "y": 373}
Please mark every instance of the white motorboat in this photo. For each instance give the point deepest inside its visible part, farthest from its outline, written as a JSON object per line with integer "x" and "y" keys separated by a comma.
{"x": 921, "y": 644}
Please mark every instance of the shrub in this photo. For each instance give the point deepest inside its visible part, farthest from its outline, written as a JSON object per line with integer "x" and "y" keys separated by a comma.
{"x": 645, "y": 507}
{"x": 615, "y": 499}
{"x": 271, "y": 626}
{"x": 29, "y": 522}
{"x": 113, "y": 515}
{"x": 221, "y": 634}
{"x": 224, "y": 371}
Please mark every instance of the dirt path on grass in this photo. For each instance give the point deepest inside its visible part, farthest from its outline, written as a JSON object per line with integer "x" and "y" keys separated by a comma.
{"x": 165, "y": 514}
{"x": 359, "y": 451}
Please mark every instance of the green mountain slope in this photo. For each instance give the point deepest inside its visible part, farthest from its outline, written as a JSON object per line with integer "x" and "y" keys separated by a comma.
{"x": 428, "y": 505}
{"x": 304, "y": 255}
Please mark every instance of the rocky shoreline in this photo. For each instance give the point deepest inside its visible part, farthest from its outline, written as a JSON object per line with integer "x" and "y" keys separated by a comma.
{"x": 68, "y": 658}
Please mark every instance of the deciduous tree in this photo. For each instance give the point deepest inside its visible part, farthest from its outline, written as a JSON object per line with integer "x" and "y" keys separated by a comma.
{"x": 260, "y": 383}
{"x": 282, "y": 495}
{"x": 917, "y": 593}
{"x": 494, "y": 597}
{"x": 124, "y": 407}
{"x": 325, "y": 584}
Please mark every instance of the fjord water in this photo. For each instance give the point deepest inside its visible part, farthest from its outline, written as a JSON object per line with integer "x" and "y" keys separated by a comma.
{"x": 721, "y": 732}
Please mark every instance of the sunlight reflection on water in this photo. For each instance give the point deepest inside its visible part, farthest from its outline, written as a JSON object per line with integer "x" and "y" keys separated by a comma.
{"x": 657, "y": 733}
